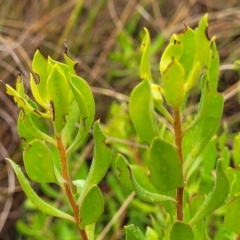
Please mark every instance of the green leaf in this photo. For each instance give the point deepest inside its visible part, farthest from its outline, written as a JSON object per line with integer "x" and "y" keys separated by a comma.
{"x": 90, "y": 231}
{"x": 204, "y": 131}
{"x": 202, "y": 41}
{"x": 70, "y": 130}
{"x": 236, "y": 147}
{"x": 58, "y": 93}
{"x": 200, "y": 228}
{"x": 173, "y": 51}
{"x": 70, "y": 62}
{"x": 173, "y": 81}
{"x": 145, "y": 71}
{"x": 102, "y": 158}
{"x": 123, "y": 171}
{"x": 139, "y": 172}
{"x": 181, "y": 231}
{"x": 20, "y": 86}
{"x": 193, "y": 77}
{"x": 36, "y": 93}
{"x": 144, "y": 194}
{"x": 133, "y": 233}
{"x": 213, "y": 68}
{"x": 22, "y": 131}
{"x": 39, "y": 66}
{"x": 34, "y": 198}
{"x": 164, "y": 165}
{"x": 151, "y": 234}
{"x": 38, "y": 162}
{"x": 28, "y": 122}
{"x": 86, "y": 106}
{"x": 215, "y": 198}
{"x": 23, "y": 104}
{"x": 141, "y": 109}
{"x": 61, "y": 67}
{"x": 187, "y": 40}
{"x": 209, "y": 84}
{"x": 232, "y": 220}
{"x": 91, "y": 207}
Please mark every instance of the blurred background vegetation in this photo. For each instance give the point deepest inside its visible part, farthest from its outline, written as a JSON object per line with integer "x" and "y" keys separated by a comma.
{"x": 104, "y": 36}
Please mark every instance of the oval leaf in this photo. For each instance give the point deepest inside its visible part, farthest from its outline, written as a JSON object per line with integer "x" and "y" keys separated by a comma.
{"x": 141, "y": 109}
{"x": 173, "y": 82}
{"x": 39, "y": 163}
{"x": 133, "y": 233}
{"x": 39, "y": 66}
{"x": 58, "y": 93}
{"x": 164, "y": 165}
{"x": 181, "y": 231}
{"x": 91, "y": 207}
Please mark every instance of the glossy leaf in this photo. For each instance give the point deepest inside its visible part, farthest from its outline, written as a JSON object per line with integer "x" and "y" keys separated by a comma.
{"x": 193, "y": 77}
{"x": 202, "y": 41}
{"x": 90, "y": 231}
{"x": 133, "y": 233}
{"x": 173, "y": 81}
{"x": 232, "y": 220}
{"x": 145, "y": 195}
{"x": 22, "y": 131}
{"x": 124, "y": 175}
{"x": 151, "y": 234}
{"x": 70, "y": 62}
{"x": 83, "y": 115}
{"x": 23, "y": 104}
{"x": 213, "y": 68}
{"x": 36, "y": 93}
{"x": 200, "y": 228}
{"x": 140, "y": 174}
{"x": 204, "y": 131}
{"x": 158, "y": 102}
{"x": 141, "y": 110}
{"x": 70, "y": 130}
{"x": 39, "y": 66}
{"x": 209, "y": 85}
{"x": 181, "y": 231}
{"x": 61, "y": 67}
{"x": 187, "y": 41}
{"x": 38, "y": 162}
{"x": 145, "y": 70}
{"x": 34, "y": 130}
{"x": 164, "y": 165}
{"x": 173, "y": 51}
{"x": 102, "y": 158}
{"x": 34, "y": 198}
{"x": 236, "y": 147}
{"x": 58, "y": 92}
{"x": 91, "y": 207}
{"x": 215, "y": 198}
{"x": 86, "y": 106}
{"x": 20, "y": 86}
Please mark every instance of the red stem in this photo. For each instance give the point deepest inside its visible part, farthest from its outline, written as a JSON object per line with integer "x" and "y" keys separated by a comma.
{"x": 67, "y": 185}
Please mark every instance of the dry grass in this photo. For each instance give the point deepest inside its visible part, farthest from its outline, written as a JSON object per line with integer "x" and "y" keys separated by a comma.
{"x": 91, "y": 29}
